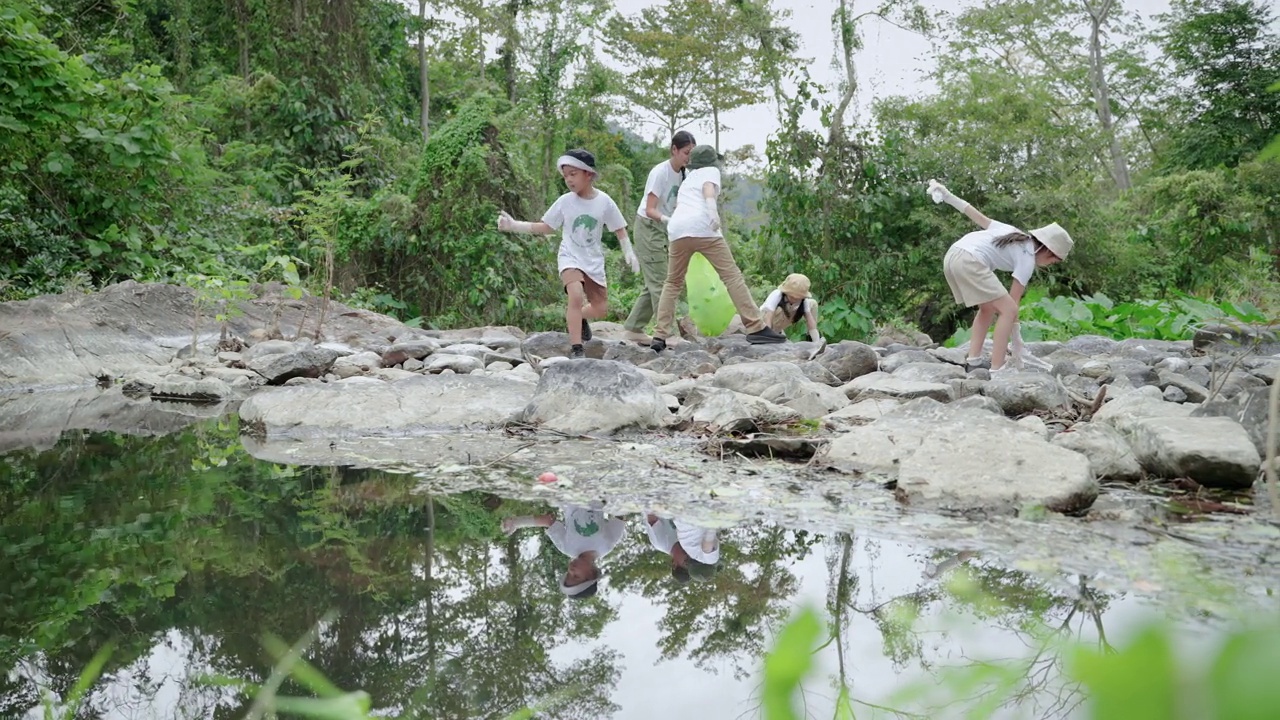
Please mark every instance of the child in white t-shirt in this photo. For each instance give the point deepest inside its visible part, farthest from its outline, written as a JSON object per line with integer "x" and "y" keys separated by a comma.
{"x": 970, "y": 267}
{"x": 584, "y": 535}
{"x": 583, "y": 213}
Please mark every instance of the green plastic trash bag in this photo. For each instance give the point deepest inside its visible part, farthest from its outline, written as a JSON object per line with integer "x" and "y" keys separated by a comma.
{"x": 709, "y": 302}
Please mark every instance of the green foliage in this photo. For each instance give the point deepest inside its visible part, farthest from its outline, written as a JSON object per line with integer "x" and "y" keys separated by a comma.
{"x": 1229, "y": 51}
{"x": 453, "y": 262}
{"x": 1063, "y": 317}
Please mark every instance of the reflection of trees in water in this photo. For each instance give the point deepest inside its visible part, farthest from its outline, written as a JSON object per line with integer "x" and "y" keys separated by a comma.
{"x": 1042, "y": 617}
{"x": 732, "y": 617}
{"x": 433, "y": 617}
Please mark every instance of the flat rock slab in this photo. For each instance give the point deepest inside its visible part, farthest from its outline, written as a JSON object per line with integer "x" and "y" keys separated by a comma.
{"x": 370, "y": 407}
{"x": 1004, "y": 474}
{"x": 965, "y": 458}
{"x": 1213, "y": 451}
{"x": 884, "y": 385}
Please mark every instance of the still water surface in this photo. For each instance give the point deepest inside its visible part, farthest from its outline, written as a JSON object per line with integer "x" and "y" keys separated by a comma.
{"x": 184, "y": 551}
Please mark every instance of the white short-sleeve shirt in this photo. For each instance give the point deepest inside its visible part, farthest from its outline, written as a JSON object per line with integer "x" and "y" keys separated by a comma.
{"x": 582, "y": 529}
{"x": 691, "y": 218}
{"x": 583, "y": 221}
{"x": 664, "y": 182}
{"x": 1017, "y": 258}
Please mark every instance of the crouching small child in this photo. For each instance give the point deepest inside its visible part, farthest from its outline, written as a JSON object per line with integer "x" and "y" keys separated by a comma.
{"x": 584, "y": 535}
{"x": 582, "y": 214}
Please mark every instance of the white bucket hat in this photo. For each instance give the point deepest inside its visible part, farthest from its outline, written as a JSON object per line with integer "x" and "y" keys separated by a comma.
{"x": 1054, "y": 237}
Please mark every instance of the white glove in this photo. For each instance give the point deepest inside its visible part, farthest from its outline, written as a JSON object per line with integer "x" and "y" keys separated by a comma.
{"x": 941, "y": 194}
{"x": 506, "y": 223}
{"x": 714, "y": 213}
{"x": 629, "y": 255}
{"x": 664, "y": 219}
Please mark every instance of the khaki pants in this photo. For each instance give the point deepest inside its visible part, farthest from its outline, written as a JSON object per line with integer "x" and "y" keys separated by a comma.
{"x": 717, "y": 252}
{"x": 651, "y": 250}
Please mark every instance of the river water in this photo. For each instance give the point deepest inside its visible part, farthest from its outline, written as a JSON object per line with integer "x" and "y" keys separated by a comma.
{"x": 184, "y": 551}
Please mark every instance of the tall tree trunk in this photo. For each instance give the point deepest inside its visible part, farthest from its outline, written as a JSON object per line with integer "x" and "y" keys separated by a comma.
{"x": 423, "y": 82}
{"x": 845, "y": 30}
{"x": 1102, "y": 93}
{"x": 715, "y": 120}
{"x": 241, "y": 9}
{"x": 509, "y": 45}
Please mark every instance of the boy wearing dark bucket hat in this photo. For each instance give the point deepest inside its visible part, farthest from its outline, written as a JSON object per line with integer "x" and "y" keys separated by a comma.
{"x": 694, "y": 227}
{"x": 970, "y": 266}
{"x": 583, "y": 213}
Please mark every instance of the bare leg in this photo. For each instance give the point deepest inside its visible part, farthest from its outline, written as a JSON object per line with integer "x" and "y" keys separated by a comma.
{"x": 573, "y": 311}
{"x": 1007, "y": 310}
{"x": 981, "y": 323}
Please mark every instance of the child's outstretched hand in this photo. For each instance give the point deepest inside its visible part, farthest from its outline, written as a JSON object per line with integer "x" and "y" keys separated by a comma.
{"x": 632, "y": 261}
{"x": 505, "y": 221}
{"x": 938, "y": 191}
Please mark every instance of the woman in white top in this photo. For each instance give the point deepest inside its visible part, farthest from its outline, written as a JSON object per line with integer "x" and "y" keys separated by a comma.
{"x": 695, "y": 228}
{"x": 656, "y": 207}
{"x": 970, "y": 267}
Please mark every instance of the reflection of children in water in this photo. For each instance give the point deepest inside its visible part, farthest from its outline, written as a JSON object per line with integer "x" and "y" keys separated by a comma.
{"x": 694, "y": 550}
{"x": 584, "y": 535}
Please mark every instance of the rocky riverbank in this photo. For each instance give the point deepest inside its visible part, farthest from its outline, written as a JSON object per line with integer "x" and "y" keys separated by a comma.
{"x": 908, "y": 418}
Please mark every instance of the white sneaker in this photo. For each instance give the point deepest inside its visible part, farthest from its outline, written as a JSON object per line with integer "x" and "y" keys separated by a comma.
{"x": 638, "y": 338}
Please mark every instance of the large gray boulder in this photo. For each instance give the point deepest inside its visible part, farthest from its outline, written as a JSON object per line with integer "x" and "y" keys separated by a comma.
{"x": 1213, "y": 451}
{"x": 952, "y": 472}
{"x": 588, "y": 396}
{"x": 726, "y": 411}
{"x": 782, "y": 383}
{"x": 848, "y": 359}
{"x": 309, "y": 362}
{"x": 1024, "y": 392}
{"x": 356, "y": 364}
{"x": 418, "y": 349}
{"x": 1109, "y": 453}
{"x": 370, "y": 407}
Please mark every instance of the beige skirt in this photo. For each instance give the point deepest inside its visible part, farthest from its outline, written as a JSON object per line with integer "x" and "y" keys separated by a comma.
{"x": 971, "y": 282}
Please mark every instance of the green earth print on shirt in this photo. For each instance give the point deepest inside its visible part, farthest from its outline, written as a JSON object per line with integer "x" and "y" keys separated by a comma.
{"x": 590, "y": 229}
{"x": 587, "y": 530}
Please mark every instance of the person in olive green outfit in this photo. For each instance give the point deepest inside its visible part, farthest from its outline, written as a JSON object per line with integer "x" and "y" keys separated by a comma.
{"x": 656, "y": 206}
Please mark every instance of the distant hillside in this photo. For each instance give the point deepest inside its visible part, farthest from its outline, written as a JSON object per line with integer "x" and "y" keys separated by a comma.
{"x": 743, "y": 194}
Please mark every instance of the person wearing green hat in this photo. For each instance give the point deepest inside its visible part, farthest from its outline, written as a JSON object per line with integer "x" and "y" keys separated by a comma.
{"x": 694, "y": 227}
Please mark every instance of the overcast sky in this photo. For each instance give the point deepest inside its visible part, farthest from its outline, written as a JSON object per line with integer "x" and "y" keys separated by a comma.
{"x": 893, "y": 62}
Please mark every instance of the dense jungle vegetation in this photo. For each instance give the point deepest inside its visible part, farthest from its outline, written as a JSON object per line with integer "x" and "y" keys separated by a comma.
{"x": 370, "y": 143}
